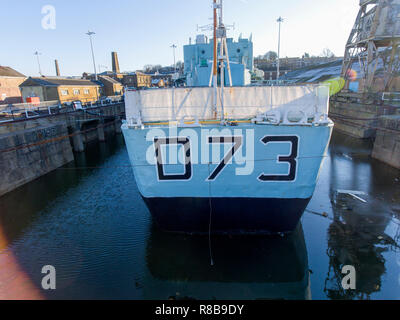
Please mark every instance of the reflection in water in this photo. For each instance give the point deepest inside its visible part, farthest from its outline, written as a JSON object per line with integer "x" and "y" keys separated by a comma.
{"x": 357, "y": 235}
{"x": 245, "y": 267}
{"x": 350, "y": 243}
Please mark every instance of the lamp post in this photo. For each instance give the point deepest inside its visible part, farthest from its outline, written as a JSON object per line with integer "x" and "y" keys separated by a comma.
{"x": 173, "y": 48}
{"x": 280, "y": 20}
{"x": 90, "y": 33}
{"x": 37, "y": 56}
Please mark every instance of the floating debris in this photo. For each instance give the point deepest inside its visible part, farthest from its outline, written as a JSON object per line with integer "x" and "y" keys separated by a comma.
{"x": 353, "y": 193}
{"x": 324, "y": 214}
{"x": 347, "y": 156}
{"x": 357, "y": 198}
{"x": 359, "y": 193}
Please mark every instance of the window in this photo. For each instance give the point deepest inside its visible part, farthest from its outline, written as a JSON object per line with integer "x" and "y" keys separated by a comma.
{"x": 76, "y": 92}
{"x": 86, "y": 91}
{"x": 64, "y": 92}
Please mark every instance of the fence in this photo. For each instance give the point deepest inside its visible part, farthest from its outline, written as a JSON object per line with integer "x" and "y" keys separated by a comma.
{"x": 272, "y": 82}
{"x": 391, "y": 96}
{"x": 32, "y": 110}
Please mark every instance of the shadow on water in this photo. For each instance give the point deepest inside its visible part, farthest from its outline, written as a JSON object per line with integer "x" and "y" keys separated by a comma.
{"x": 20, "y": 208}
{"x": 49, "y": 221}
{"x": 245, "y": 267}
{"x": 362, "y": 234}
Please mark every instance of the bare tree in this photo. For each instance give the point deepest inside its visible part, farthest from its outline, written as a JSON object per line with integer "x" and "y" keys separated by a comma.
{"x": 327, "y": 53}
{"x": 271, "y": 55}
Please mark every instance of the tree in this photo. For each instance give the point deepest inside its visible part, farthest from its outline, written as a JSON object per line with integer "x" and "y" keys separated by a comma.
{"x": 271, "y": 55}
{"x": 149, "y": 68}
{"x": 306, "y": 55}
{"x": 327, "y": 53}
{"x": 180, "y": 66}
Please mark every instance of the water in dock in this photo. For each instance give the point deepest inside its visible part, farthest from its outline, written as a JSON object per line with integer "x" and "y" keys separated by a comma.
{"x": 88, "y": 220}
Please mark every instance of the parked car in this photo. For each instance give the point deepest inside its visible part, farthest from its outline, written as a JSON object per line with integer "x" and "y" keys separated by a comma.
{"x": 77, "y": 105}
{"x": 105, "y": 101}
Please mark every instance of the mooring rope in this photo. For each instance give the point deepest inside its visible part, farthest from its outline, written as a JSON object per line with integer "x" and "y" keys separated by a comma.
{"x": 210, "y": 224}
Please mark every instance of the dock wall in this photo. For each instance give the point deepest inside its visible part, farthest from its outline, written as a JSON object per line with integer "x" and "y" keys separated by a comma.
{"x": 355, "y": 115}
{"x": 45, "y": 152}
{"x": 367, "y": 116}
{"x": 34, "y": 147}
{"x": 387, "y": 142}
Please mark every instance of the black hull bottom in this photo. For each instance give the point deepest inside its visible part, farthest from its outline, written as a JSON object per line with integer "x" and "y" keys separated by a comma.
{"x": 228, "y": 215}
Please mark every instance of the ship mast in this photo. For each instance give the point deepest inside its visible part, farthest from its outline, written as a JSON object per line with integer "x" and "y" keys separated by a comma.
{"x": 219, "y": 60}
{"x": 215, "y": 61}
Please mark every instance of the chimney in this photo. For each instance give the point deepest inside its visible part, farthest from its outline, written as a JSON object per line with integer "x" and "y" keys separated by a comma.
{"x": 115, "y": 63}
{"x": 57, "y": 68}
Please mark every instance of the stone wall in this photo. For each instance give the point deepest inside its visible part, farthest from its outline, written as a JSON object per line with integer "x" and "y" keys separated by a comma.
{"x": 31, "y": 149}
{"x": 387, "y": 143}
{"x": 345, "y": 113}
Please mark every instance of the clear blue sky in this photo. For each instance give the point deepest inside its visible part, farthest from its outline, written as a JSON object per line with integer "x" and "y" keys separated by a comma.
{"x": 141, "y": 31}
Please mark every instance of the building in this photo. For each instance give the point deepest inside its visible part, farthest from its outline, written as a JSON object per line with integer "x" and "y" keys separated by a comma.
{"x": 137, "y": 80}
{"x": 61, "y": 89}
{"x": 91, "y": 76}
{"x": 198, "y": 59}
{"x": 9, "y": 85}
{"x": 288, "y": 65}
{"x": 165, "y": 75}
{"x": 111, "y": 87}
{"x": 158, "y": 83}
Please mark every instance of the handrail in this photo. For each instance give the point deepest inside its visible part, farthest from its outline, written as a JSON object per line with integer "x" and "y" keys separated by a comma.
{"x": 391, "y": 96}
{"x": 34, "y": 110}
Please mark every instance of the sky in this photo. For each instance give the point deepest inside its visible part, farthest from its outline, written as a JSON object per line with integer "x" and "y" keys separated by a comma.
{"x": 142, "y": 31}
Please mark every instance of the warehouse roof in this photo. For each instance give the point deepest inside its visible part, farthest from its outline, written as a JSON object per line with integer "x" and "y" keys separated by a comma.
{"x": 10, "y": 72}
{"x": 56, "y": 82}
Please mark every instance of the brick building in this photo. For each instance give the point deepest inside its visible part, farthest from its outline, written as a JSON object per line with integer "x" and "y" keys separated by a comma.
{"x": 61, "y": 89}
{"x": 111, "y": 86}
{"x": 9, "y": 85}
{"x": 137, "y": 80}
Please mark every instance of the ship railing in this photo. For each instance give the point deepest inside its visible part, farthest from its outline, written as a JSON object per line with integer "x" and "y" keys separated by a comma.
{"x": 272, "y": 82}
{"x": 277, "y": 104}
{"x": 11, "y": 112}
{"x": 391, "y": 96}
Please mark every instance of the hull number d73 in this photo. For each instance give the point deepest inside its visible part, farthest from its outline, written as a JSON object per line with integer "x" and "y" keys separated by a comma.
{"x": 237, "y": 142}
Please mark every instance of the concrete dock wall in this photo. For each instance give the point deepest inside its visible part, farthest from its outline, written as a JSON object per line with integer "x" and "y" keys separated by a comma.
{"x": 28, "y": 153}
{"x": 34, "y": 147}
{"x": 368, "y": 116}
{"x": 347, "y": 122}
{"x": 347, "y": 110}
{"x": 357, "y": 114}
{"x": 387, "y": 143}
